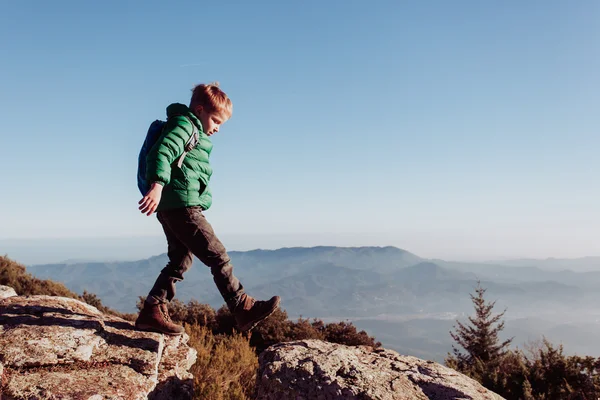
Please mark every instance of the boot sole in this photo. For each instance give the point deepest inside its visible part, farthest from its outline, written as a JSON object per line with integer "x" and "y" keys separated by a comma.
{"x": 251, "y": 325}
{"x": 150, "y": 328}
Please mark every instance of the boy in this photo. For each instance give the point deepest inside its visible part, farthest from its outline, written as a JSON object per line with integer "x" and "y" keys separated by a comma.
{"x": 179, "y": 193}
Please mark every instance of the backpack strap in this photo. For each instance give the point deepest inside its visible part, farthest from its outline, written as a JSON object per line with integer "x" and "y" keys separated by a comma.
{"x": 190, "y": 144}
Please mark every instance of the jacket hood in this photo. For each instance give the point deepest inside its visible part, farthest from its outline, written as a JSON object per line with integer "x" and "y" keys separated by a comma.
{"x": 182, "y": 109}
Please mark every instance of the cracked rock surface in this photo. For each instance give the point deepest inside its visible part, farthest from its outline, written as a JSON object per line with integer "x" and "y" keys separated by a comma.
{"x": 61, "y": 348}
{"x": 313, "y": 369}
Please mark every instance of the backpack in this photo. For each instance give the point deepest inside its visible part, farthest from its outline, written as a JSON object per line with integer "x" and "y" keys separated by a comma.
{"x": 154, "y": 132}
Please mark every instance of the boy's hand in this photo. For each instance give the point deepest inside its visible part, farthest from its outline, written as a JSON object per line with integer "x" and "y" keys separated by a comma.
{"x": 151, "y": 200}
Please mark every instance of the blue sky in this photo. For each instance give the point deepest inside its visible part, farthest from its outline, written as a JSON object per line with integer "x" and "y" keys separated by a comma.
{"x": 451, "y": 129}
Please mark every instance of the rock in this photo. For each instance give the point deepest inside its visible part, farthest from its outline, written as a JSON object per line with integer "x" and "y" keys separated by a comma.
{"x": 57, "y": 347}
{"x": 6, "y": 291}
{"x": 313, "y": 369}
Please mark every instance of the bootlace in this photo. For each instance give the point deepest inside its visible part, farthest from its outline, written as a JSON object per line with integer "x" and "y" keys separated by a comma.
{"x": 165, "y": 313}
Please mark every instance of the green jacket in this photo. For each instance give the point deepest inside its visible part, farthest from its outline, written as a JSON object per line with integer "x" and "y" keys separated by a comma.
{"x": 186, "y": 186}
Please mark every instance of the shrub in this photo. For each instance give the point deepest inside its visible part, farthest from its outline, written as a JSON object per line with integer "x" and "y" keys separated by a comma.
{"x": 225, "y": 367}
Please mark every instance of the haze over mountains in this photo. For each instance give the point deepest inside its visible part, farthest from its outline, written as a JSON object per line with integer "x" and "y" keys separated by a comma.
{"x": 407, "y": 302}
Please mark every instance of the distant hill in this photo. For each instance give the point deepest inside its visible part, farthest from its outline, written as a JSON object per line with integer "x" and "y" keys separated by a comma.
{"x": 119, "y": 283}
{"x": 583, "y": 264}
{"x": 425, "y": 271}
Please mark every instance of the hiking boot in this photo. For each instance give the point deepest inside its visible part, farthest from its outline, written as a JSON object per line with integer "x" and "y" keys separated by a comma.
{"x": 155, "y": 318}
{"x": 251, "y": 312}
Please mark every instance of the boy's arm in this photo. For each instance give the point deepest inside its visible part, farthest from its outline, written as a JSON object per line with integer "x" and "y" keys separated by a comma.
{"x": 166, "y": 150}
{"x": 158, "y": 161}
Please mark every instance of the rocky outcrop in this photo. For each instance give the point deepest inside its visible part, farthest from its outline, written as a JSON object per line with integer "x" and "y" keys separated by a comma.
{"x": 312, "y": 369}
{"x": 61, "y": 348}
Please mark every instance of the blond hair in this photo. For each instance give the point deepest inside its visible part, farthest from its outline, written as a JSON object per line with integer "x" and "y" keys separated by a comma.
{"x": 212, "y": 98}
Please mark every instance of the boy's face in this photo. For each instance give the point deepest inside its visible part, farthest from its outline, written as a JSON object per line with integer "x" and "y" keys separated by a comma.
{"x": 210, "y": 121}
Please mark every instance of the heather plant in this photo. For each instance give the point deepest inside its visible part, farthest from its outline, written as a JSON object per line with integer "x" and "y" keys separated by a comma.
{"x": 225, "y": 366}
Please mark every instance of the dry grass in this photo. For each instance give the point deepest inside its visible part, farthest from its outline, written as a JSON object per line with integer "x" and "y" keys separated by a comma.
{"x": 225, "y": 368}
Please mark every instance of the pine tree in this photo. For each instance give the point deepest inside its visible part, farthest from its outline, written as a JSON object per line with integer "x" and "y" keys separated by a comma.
{"x": 480, "y": 339}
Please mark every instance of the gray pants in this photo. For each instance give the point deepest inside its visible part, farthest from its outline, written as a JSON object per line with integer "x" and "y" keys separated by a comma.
{"x": 189, "y": 234}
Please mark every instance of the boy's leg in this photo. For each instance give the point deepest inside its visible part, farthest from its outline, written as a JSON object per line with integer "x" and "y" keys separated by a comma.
{"x": 155, "y": 314}
{"x": 180, "y": 260}
{"x": 190, "y": 228}
{"x": 193, "y": 230}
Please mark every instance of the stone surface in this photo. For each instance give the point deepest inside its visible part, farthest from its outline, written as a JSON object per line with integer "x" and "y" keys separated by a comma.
{"x": 6, "y": 291}
{"x": 56, "y": 347}
{"x": 108, "y": 382}
{"x": 313, "y": 369}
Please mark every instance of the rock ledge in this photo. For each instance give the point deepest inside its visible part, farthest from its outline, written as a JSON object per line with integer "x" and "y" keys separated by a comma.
{"x": 317, "y": 370}
{"x": 57, "y": 347}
